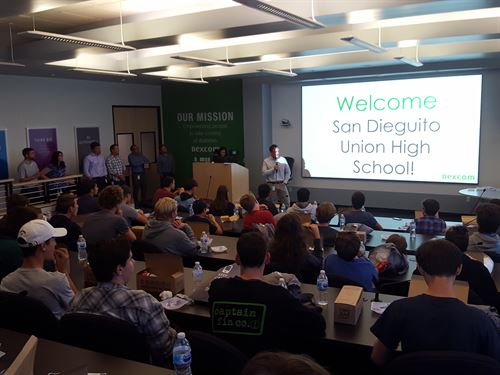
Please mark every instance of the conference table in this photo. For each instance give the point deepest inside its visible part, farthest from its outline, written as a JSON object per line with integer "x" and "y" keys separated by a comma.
{"x": 53, "y": 357}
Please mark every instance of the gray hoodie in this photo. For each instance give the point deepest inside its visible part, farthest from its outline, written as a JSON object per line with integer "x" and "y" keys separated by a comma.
{"x": 484, "y": 242}
{"x": 304, "y": 208}
{"x": 169, "y": 239}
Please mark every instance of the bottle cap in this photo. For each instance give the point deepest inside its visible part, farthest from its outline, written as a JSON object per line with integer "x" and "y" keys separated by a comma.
{"x": 322, "y": 272}
{"x": 181, "y": 335}
{"x": 196, "y": 263}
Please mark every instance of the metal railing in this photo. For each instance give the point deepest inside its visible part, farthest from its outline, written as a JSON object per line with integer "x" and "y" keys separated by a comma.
{"x": 5, "y": 191}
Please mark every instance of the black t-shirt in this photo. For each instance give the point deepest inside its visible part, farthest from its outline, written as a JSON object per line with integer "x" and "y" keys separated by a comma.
{"x": 425, "y": 322}
{"x": 480, "y": 281}
{"x": 87, "y": 205}
{"x": 74, "y": 230}
{"x": 286, "y": 319}
{"x": 270, "y": 205}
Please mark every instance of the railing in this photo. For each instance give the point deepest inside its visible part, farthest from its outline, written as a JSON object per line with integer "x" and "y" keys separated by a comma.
{"x": 5, "y": 191}
{"x": 45, "y": 192}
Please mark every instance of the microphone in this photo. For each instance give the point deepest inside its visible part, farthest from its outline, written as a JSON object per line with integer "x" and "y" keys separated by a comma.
{"x": 209, "y": 183}
{"x": 478, "y": 200}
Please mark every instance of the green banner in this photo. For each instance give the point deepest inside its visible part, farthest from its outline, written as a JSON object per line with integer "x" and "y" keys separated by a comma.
{"x": 198, "y": 119}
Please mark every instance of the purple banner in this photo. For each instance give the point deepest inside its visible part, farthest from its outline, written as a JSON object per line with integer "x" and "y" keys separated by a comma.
{"x": 44, "y": 142}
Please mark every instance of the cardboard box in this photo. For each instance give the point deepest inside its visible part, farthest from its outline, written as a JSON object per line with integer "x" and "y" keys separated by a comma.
{"x": 418, "y": 286}
{"x": 168, "y": 274}
{"x": 348, "y": 305}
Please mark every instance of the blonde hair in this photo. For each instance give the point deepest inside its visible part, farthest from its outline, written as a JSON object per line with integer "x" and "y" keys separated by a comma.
{"x": 164, "y": 208}
{"x": 247, "y": 201}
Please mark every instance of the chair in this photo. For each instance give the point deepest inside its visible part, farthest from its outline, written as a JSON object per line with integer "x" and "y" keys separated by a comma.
{"x": 198, "y": 227}
{"x": 399, "y": 288}
{"x": 105, "y": 334}
{"x": 24, "y": 314}
{"x": 137, "y": 230}
{"x": 139, "y": 247}
{"x": 203, "y": 347}
{"x": 442, "y": 362}
{"x": 336, "y": 281}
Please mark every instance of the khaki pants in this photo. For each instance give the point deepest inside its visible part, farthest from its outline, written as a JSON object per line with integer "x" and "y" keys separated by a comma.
{"x": 279, "y": 192}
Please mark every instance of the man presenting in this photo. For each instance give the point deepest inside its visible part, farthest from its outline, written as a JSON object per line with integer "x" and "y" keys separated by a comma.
{"x": 277, "y": 173}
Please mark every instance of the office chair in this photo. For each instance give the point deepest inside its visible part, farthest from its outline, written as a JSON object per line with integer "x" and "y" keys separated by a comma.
{"x": 139, "y": 247}
{"x": 336, "y": 281}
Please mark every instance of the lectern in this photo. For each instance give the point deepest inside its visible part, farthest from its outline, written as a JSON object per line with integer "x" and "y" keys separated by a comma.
{"x": 210, "y": 175}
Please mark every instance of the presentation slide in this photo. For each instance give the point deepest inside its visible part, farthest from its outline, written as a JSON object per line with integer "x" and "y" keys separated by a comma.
{"x": 424, "y": 129}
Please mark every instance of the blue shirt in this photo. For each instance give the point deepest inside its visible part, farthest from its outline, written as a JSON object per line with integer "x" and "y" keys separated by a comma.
{"x": 136, "y": 162}
{"x": 361, "y": 217}
{"x": 359, "y": 270}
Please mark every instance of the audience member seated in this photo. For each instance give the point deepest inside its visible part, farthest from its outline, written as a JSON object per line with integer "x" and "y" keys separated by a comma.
{"x": 255, "y": 213}
{"x": 166, "y": 189}
{"x": 112, "y": 265}
{"x": 289, "y": 249}
{"x": 187, "y": 197}
{"x": 167, "y": 233}
{"x": 398, "y": 241}
{"x": 11, "y": 256}
{"x": 358, "y": 213}
{"x": 12, "y": 202}
{"x": 435, "y": 320}
{"x": 303, "y": 205}
{"x": 473, "y": 271}
{"x": 486, "y": 238}
{"x": 221, "y": 205}
{"x": 87, "y": 196}
{"x": 201, "y": 215}
{"x": 264, "y": 194}
{"x": 282, "y": 318}
{"x": 273, "y": 363}
{"x": 324, "y": 214}
{"x": 350, "y": 262}
{"x": 430, "y": 223}
{"x": 108, "y": 223}
{"x": 130, "y": 214}
{"x": 66, "y": 209}
{"x": 55, "y": 289}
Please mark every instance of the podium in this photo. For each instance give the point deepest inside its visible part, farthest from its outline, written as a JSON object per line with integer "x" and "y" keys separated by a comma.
{"x": 210, "y": 175}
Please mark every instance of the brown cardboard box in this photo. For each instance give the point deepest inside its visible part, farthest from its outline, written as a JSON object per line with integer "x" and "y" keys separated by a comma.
{"x": 348, "y": 305}
{"x": 168, "y": 271}
{"x": 418, "y": 286}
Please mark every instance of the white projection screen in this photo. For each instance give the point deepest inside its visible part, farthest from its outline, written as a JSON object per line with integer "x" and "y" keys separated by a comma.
{"x": 422, "y": 129}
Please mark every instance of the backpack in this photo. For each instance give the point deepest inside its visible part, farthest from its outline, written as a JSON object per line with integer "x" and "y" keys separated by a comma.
{"x": 388, "y": 260}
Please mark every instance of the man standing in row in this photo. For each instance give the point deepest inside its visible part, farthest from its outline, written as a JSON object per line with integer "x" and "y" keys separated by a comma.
{"x": 94, "y": 166}
{"x": 277, "y": 173}
{"x": 115, "y": 166}
{"x": 166, "y": 164}
{"x": 137, "y": 162}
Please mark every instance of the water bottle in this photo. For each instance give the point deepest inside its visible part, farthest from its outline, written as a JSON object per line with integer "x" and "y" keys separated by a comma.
{"x": 197, "y": 275}
{"x": 282, "y": 283}
{"x": 81, "y": 245}
{"x": 413, "y": 230}
{"x": 191, "y": 211}
{"x": 322, "y": 284}
{"x": 342, "y": 221}
{"x": 182, "y": 355}
{"x": 204, "y": 242}
{"x": 282, "y": 207}
{"x": 236, "y": 211}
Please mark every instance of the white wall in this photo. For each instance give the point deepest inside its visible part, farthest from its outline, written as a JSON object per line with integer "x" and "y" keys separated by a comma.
{"x": 35, "y": 102}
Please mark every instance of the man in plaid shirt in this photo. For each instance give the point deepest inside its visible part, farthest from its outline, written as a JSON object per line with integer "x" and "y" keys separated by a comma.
{"x": 430, "y": 223}
{"x": 112, "y": 266}
{"x": 115, "y": 166}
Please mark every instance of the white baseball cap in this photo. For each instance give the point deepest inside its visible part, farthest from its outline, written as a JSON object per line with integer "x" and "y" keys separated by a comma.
{"x": 36, "y": 232}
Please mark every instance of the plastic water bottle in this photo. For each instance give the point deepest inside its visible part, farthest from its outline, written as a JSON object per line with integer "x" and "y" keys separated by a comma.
{"x": 204, "y": 242}
{"x": 236, "y": 211}
{"x": 81, "y": 245}
{"x": 413, "y": 230}
{"x": 182, "y": 355}
{"x": 322, "y": 284}
{"x": 282, "y": 207}
{"x": 282, "y": 283}
{"x": 342, "y": 221}
{"x": 197, "y": 275}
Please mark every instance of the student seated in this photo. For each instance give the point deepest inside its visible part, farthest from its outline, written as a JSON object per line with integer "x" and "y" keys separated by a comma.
{"x": 254, "y": 212}
{"x": 67, "y": 209}
{"x": 87, "y": 196}
{"x": 130, "y": 214}
{"x": 473, "y": 271}
{"x": 167, "y": 233}
{"x": 324, "y": 214}
{"x": 201, "y": 215}
{"x": 221, "y": 205}
{"x": 264, "y": 197}
{"x": 435, "y": 320}
{"x": 55, "y": 289}
{"x": 281, "y": 318}
{"x": 166, "y": 189}
{"x": 350, "y": 262}
{"x": 108, "y": 223}
{"x": 112, "y": 265}
{"x": 187, "y": 197}
{"x": 303, "y": 206}
{"x": 272, "y": 363}
{"x": 358, "y": 214}
{"x": 430, "y": 223}
{"x": 289, "y": 249}
{"x": 486, "y": 238}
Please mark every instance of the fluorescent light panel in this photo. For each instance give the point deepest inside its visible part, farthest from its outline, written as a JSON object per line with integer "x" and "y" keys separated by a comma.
{"x": 278, "y": 72}
{"x": 202, "y": 61}
{"x": 278, "y": 12}
{"x": 186, "y": 80}
{"x": 410, "y": 61}
{"x": 104, "y": 72}
{"x": 364, "y": 44}
{"x": 35, "y": 34}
